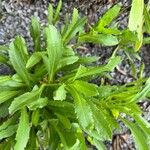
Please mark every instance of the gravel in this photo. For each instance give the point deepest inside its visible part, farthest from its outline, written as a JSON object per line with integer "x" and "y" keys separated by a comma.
{"x": 15, "y": 20}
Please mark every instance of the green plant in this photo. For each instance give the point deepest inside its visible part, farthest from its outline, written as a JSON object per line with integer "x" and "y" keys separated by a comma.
{"x": 49, "y": 100}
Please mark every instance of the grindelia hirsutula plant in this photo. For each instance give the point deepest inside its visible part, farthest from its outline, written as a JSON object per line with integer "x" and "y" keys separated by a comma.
{"x": 49, "y": 101}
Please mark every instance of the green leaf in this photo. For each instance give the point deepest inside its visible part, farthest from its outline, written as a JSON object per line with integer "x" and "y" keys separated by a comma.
{"x": 147, "y": 19}
{"x": 33, "y": 60}
{"x": 68, "y": 51}
{"x": 128, "y": 37}
{"x": 67, "y": 137}
{"x": 35, "y": 33}
{"x": 3, "y": 59}
{"x": 4, "y": 109}
{"x": 99, "y": 144}
{"x": 74, "y": 27}
{"x": 32, "y": 140}
{"x": 39, "y": 103}
{"x": 23, "y": 131}
{"x": 4, "y": 48}
{"x": 101, "y": 122}
{"x": 72, "y": 24}
{"x": 57, "y": 13}
{"x": 18, "y": 57}
{"x": 8, "y": 83}
{"x": 146, "y": 40}
{"x": 9, "y": 131}
{"x": 108, "y": 17}
{"x": 3, "y": 79}
{"x": 54, "y": 49}
{"x": 136, "y": 20}
{"x": 67, "y": 61}
{"x": 82, "y": 109}
{"x": 50, "y": 14}
{"x": 62, "y": 107}
{"x": 6, "y": 95}
{"x": 83, "y": 71}
{"x": 104, "y": 39}
{"x": 112, "y": 31}
{"x": 80, "y": 142}
{"x": 88, "y": 89}
{"x": 64, "y": 120}
{"x": 60, "y": 93}
{"x": 143, "y": 93}
{"x": 6, "y": 145}
{"x": 143, "y": 123}
{"x": 24, "y": 100}
{"x": 8, "y": 122}
{"x": 138, "y": 135}
{"x": 88, "y": 60}
{"x": 136, "y": 15}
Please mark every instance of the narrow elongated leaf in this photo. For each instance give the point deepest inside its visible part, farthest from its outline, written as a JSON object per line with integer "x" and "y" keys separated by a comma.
{"x": 143, "y": 123}
{"x": 35, "y": 117}
{"x": 4, "y": 48}
{"x": 88, "y": 89}
{"x": 75, "y": 26}
{"x": 4, "y": 109}
{"x": 146, "y": 40}
{"x": 72, "y": 24}
{"x": 60, "y": 93}
{"x": 64, "y": 120}
{"x": 16, "y": 78}
{"x": 18, "y": 57}
{"x": 147, "y": 19}
{"x": 39, "y": 103}
{"x": 9, "y": 122}
{"x": 35, "y": 33}
{"x": 56, "y": 16}
{"x": 33, "y": 60}
{"x": 136, "y": 15}
{"x": 82, "y": 109}
{"x": 138, "y": 135}
{"x": 99, "y": 144}
{"x": 68, "y": 137}
{"x": 83, "y": 71}
{"x": 100, "y": 121}
{"x": 23, "y": 131}
{"x": 67, "y": 61}
{"x": 108, "y": 17}
{"x": 112, "y": 31}
{"x": 80, "y": 142}
{"x": 50, "y": 14}
{"x": 87, "y": 60}
{"x": 62, "y": 107}
{"x": 6, "y": 95}
{"x": 4, "y": 79}
{"x": 54, "y": 49}
{"x": 9, "y": 131}
{"x": 24, "y": 100}
{"x": 64, "y": 27}
{"x": 32, "y": 140}
{"x": 68, "y": 51}
{"x": 107, "y": 40}
{"x": 3, "y": 59}
{"x": 136, "y": 20}
{"x": 8, "y": 83}
{"x": 143, "y": 93}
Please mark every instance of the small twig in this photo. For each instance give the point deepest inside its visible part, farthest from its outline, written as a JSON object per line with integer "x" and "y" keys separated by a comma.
{"x": 83, "y": 48}
{"x": 121, "y": 71}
